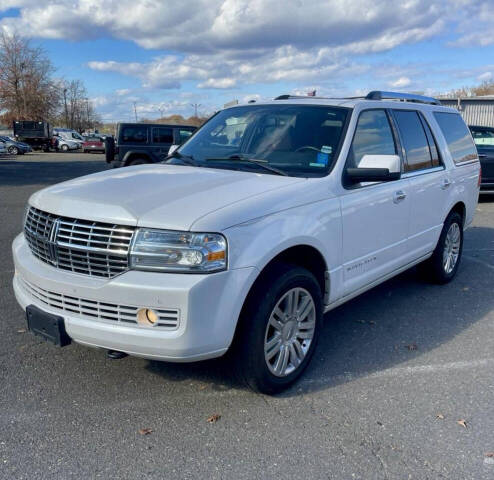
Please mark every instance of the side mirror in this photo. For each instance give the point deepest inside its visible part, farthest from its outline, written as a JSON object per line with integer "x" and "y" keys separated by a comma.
{"x": 172, "y": 149}
{"x": 375, "y": 168}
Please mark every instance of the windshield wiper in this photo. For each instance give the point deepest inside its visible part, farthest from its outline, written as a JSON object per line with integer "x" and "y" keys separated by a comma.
{"x": 255, "y": 161}
{"x": 186, "y": 159}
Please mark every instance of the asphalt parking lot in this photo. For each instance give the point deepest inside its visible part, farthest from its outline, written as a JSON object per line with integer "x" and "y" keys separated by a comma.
{"x": 401, "y": 387}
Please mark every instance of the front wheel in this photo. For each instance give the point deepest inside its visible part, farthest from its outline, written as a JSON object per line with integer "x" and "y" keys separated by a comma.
{"x": 13, "y": 150}
{"x": 279, "y": 328}
{"x": 443, "y": 265}
{"x": 65, "y": 148}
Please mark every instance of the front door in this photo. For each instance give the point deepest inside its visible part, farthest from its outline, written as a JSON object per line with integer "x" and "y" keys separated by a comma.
{"x": 375, "y": 216}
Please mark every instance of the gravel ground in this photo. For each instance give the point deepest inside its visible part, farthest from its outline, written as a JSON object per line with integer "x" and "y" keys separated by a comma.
{"x": 395, "y": 371}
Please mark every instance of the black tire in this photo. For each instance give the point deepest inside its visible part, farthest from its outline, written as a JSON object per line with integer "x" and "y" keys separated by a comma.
{"x": 136, "y": 161}
{"x": 64, "y": 148}
{"x": 248, "y": 348}
{"x": 13, "y": 150}
{"x": 434, "y": 267}
{"x": 109, "y": 149}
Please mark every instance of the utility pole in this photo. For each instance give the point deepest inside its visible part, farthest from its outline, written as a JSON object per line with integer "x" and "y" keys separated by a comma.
{"x": 195, "y": 106}
{"x": 135, "y": 111}
{"x": 161, "y": 110}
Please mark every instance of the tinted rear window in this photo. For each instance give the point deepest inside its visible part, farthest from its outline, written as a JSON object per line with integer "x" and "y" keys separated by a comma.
{"x": 134, "y": 134}
{"x": 162, "y": 135}
{"x": 414, "y": 140}
{"x": 457, "y": 136}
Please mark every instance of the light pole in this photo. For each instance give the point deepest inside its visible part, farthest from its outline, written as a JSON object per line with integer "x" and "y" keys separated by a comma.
{"x": 195, "y": 106}
{"x": 135, "y": 111}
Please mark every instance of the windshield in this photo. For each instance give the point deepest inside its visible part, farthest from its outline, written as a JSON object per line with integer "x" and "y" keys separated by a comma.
{"x": 299, "y": 140}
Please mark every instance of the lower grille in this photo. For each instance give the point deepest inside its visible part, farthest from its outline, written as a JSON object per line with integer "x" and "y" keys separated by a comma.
{"x": 91, "y": 309}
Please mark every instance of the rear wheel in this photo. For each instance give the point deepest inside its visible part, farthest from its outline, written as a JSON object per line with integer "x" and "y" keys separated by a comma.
{"x": 279, "y": 328}
{"x": 443, "y": 265}
{"x": 13, "y": 150}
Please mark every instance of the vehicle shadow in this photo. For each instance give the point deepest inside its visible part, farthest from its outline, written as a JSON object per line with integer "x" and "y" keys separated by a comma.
{"x": 398, "y": 321}
{"x": 22, "y": 172}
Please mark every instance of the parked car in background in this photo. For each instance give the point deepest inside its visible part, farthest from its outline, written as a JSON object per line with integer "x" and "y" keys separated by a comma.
{"x": 36, "y": 134}
{"x": 14, "y": 147}
{"x": 484, "y": 141}
{"x": 93, "y": 143}
{"x": 69, "y": 134}
{"x": 270, "y": 215}
{"x": 65, "y": 144}
{"x": 138, "y": 143}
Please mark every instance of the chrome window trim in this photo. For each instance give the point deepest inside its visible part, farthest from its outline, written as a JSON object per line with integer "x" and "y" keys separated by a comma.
{"x": 424, "y": 171}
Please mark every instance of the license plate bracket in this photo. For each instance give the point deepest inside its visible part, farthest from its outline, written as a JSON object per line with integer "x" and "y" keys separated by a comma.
{"x": 46, "y": 325}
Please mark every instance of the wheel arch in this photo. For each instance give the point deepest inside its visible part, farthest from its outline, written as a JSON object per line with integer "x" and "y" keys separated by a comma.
{"x": 135, "y": 154}
{"x": 460, "y": 208}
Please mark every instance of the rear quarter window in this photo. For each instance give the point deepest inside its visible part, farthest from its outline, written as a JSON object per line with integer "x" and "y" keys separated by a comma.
{"x": 457, "y": 136}
{"x": 134, "y": 134}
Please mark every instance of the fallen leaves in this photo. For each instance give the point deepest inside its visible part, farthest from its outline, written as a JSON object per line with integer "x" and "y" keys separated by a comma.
{"x": 489, "y": 454}
{"x": 412, "y": 346}
{"x": 440, "y": 416}
{"x": 145, "y": 431}
{"x": 21, "y": 330}
{"x": 213, "y": 418}
{"x": 462, "y": 422}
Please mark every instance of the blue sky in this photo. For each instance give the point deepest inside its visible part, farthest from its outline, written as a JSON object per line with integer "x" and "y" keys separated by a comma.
{"x": 167, "y": 55}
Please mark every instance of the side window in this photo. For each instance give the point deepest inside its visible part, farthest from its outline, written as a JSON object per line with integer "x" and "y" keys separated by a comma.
{"x": 135, "y": 134}
{"x": 412, "y": 133}
{"x": 184, "y": 135}
{"x": 162, "y": 135}
{"x": 457, "y": 136}
{"x": 373, "y": 136}
{"x": 436, "y": 161}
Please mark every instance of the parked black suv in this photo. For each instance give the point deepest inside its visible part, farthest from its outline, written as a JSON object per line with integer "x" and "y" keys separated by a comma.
{"x": 137, "y": 143}
{"x": 484, "y": 140}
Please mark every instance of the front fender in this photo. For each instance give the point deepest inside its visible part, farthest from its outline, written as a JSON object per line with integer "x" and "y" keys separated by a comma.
{"x": 256, "y": 243}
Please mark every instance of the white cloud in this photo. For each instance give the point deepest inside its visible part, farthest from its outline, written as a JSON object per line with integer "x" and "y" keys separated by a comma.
{"x": 486, "y": 76}
{"x": 401, "y": 82}
{"x": 234, "y": 25}
{"x": 122, "y": 91}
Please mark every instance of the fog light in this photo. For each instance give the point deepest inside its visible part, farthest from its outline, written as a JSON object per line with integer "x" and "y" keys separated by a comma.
{"x": 146, "y": 316}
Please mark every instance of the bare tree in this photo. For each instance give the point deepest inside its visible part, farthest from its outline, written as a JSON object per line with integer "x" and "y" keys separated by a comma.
{"x": 27, "y": 90}
{"x": 77, "y": 110}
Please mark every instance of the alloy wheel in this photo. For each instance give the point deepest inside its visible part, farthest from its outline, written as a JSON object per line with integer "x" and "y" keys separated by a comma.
{"x": 289, "y": 332}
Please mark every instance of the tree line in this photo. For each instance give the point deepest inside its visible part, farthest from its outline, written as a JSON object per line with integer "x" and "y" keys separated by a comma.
{"x": 29, "y": 89}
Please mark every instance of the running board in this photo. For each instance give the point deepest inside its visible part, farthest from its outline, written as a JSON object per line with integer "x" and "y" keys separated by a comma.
{"x": 375, "y": 283}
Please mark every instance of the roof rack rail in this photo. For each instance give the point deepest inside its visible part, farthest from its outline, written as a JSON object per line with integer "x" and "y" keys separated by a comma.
{"x": 404, "y": 97}
{"x": 288, "y": 97}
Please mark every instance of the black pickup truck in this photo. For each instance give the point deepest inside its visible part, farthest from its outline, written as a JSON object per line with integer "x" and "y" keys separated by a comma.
{"x": 36, "y": 134}
{"x": 138, "y": 143}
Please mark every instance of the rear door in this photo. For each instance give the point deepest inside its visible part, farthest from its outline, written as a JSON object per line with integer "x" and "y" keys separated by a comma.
{"x": 429, "y": 182}
{"x": 374, "y": 216}
{"x": 484, "y": 141}
{"x": 161, "y": 141}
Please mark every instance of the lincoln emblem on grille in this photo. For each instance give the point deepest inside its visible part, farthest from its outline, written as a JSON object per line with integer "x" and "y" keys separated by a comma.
{"x": 52, "y": 241}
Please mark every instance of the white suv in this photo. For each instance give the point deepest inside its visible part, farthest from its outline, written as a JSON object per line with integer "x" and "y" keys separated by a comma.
{"x": 268, "y": 216}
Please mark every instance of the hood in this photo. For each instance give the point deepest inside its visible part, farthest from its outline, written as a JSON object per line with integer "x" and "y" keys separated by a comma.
{"x": 160, "y": 196}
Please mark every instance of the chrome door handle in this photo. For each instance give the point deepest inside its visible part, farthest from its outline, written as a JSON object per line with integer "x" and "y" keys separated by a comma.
{"x": 399, "y": 196}
{"x": 445, "y": 184}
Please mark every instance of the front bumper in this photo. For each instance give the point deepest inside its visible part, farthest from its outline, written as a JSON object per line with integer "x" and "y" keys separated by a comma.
{"x": 208, "y": 307}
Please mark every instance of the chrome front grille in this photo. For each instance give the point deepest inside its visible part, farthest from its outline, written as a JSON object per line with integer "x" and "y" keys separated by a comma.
{"x": 91, "y": 309}
{"x": 80, "y": 246}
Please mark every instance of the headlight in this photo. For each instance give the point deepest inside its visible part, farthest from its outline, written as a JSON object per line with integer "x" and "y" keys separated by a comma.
{"x": 169, "y": 251}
